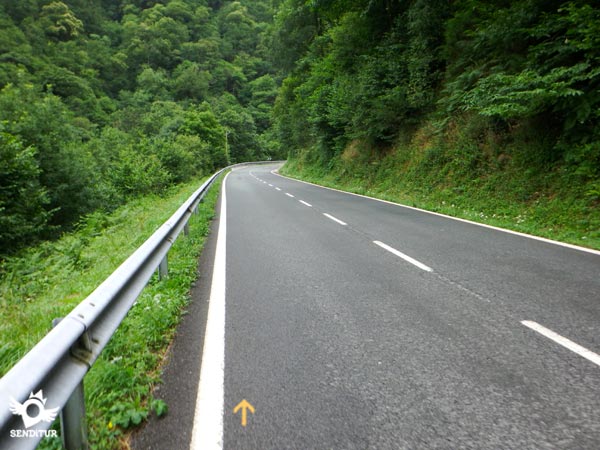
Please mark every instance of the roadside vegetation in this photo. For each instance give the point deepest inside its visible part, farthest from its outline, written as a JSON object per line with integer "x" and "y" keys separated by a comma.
{"x": 564, "y": 217}
{"x": 488, "y": 113}
{"x": 48, "y": 280}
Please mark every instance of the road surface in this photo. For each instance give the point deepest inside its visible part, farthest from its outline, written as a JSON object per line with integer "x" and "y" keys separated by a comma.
{"x": 351, "y": 323}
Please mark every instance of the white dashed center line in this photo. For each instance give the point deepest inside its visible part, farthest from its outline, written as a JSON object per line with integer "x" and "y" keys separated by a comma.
{"x": 567, "y": 343}
{"x": 406, "y": 258}
{"x": 305, "y": 204}
{"x": 329, "y": 216}
{"x": 289, "y": 195}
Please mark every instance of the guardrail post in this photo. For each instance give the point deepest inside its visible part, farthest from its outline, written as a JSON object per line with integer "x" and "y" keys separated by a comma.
{"x": 73, "y": 424}
{"x": 186, "y": 229}
{"x": 163, "y": 268}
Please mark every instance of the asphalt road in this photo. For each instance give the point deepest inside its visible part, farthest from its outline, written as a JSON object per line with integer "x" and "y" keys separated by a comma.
{"x": 357, "y": 324}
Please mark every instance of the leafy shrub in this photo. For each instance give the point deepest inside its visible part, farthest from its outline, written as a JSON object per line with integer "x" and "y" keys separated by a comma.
{"x": 22, "y": 198}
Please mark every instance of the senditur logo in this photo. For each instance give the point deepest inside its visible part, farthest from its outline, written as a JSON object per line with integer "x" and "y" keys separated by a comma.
{"x": 33, "y": 410}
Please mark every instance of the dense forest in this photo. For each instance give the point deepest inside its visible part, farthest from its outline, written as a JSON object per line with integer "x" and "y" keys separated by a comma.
{"x": 461, "y": 101}
{"x": 103, "y": 100}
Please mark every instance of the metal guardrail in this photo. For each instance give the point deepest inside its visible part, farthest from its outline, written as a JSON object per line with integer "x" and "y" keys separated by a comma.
{"x": 49, "y": 378}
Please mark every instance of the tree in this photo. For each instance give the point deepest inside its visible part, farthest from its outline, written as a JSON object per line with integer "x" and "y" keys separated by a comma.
{"x": 238, "y": 30}
{"x": 191, "y": 82}
{"x": 203, "y": 123}
{"x": 59, "y": 21}
{"x": 154, "y": 39}
{"x": 16, "y": 53}
{"x": 263, "y": 92}
{"x": 155, "y": 82}
{"x": 239, "y": 123}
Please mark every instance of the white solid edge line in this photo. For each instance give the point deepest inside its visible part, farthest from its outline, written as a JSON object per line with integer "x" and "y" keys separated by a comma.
{"x": 289, "y": 195}
{"x": 305, "y": 203}
{"x": 207, "y": 432}
{"x": 567, "y": 343}
{"x": 484, "y": 225}
{"x": 405, "y": 257}
{"x": 335, "y": 219}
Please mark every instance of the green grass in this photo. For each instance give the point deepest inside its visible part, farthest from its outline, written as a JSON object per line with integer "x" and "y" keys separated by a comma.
{"x": 538, "y": 204}
{"x": 47, "y": 281}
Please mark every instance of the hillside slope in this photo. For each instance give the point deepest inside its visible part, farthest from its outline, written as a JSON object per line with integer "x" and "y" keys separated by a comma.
{"x": 487, "y": 113}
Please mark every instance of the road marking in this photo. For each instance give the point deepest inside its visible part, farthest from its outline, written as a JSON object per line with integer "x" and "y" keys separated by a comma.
{"x": 446, "y": 216}
{"x": 207, "y": 432}
{"x": 405, "y": 257}
{"x": 270, "y": 185}
{"x": 245, "y": 406}
{"x": 278, "y": 188}
{"x": 567, "y": 343}
{"x": 305, "y": 203}
{"x": 289, "y": 195}
{"x": 329, "y": 216}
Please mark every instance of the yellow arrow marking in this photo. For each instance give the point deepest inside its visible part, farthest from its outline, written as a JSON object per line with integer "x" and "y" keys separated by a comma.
{"x": 245, "y": 407}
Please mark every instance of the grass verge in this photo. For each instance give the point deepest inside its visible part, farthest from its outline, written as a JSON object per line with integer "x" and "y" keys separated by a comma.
{"x": 493, "y": 201}
{"x": 47, "y": 281}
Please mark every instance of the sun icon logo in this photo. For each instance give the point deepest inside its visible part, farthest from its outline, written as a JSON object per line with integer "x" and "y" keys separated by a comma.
{"x": 33, "y": 411}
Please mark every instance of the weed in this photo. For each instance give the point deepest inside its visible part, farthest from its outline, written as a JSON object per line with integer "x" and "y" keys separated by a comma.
{"x": 48, "y": 280}
{"x": 542, "y": 204}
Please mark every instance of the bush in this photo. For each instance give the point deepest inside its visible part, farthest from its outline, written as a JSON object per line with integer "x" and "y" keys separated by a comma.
{"x": 22, "y": 198}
